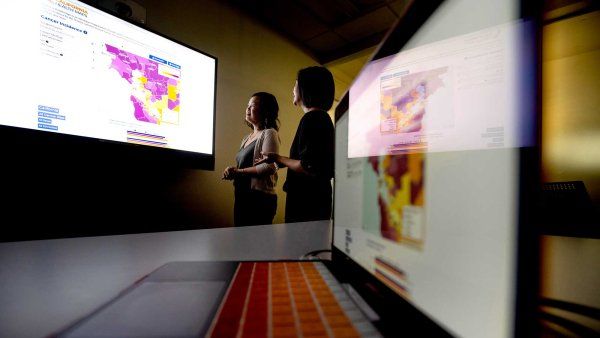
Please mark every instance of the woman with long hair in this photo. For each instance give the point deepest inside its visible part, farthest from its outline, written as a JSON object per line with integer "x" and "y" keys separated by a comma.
{"x": 255, "y": 199}
{"x": 311, "y": 162}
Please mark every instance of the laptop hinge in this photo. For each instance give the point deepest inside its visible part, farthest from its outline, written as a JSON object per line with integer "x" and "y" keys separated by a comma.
{"x": 360, "y": 303}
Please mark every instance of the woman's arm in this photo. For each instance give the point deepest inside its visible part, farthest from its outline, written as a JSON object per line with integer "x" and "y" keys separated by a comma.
{"x": 294, "y": 165}
{"x": 270, "y": 144}
{"x": 316, "y": 148}
{"x": 282, "y": 161}
{"x": 232, "y": 172}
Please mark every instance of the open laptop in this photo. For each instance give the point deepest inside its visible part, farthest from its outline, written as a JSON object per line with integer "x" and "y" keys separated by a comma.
{"x": 436, "y": 172}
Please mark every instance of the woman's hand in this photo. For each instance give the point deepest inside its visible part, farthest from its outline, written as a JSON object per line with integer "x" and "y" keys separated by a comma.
{"x": 267, "y": 157}
{"x": 229, "y": 173}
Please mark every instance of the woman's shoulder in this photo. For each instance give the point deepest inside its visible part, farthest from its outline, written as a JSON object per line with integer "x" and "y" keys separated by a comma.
{"x": 317, "y": 114}
{"x": 316, "y": 117}
{"x": 270, "y": 135}
{"x": 269, "y": 132}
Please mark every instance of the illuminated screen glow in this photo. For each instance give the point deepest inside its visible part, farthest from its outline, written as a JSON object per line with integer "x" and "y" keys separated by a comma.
{"x": 461, "y": 93}
{"x": 76, "y": 70}
{"x": 427, "y": 163}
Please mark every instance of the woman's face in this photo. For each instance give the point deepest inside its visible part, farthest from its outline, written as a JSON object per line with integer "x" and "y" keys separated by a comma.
{"x": 252, "y": 111}
{"x": 296, "y": 93}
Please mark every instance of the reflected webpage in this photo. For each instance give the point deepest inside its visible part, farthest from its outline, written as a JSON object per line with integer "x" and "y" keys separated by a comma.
{"x": 438, "y": 228}
{"x": 426, "y": 182}
{"x": 458, "y": 94}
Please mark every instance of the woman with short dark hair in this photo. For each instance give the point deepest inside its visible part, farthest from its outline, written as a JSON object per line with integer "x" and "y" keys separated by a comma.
{"x": 311, "y": 161}
{"x": 255, "y": 199}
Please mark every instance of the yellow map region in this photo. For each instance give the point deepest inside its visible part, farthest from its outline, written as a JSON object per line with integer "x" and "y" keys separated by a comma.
{"x": 401, "y": 191}
{"x": 405, "y": 114}
{"x": 158, "y": 109}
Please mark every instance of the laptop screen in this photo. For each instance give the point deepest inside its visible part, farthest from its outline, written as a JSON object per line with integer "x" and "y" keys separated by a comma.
{"x": 427, "y": 182}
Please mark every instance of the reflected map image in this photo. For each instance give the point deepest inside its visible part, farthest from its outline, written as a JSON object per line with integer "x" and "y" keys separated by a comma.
{"x": 397, "y": 184}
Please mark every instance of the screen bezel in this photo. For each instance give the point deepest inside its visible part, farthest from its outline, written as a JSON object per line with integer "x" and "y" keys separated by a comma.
{"x": 103, "y": 149}
{"x": 388, "y": 304}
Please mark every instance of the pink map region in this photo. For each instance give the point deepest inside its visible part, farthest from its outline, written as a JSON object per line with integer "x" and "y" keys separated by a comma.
{"x": 125, "y": 63}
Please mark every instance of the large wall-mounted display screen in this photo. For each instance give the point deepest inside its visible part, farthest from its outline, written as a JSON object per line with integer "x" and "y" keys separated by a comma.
{"x": 70, "y": 68}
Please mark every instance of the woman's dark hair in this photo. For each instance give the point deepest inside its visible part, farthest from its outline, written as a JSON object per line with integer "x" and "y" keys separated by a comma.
{"x": 268, "y": 111}
{"x": 316, "y": 88}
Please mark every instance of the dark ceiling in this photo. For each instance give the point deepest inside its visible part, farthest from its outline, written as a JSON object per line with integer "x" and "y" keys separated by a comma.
{"x": 332, "y": 29}
{"x": 327, "y": 29}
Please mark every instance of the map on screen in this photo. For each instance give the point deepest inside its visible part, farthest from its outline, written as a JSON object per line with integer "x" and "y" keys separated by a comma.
{"x": 91, "y": 74}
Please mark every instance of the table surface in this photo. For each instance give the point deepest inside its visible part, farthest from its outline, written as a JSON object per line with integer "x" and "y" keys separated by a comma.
{"x": 46, "y": 285}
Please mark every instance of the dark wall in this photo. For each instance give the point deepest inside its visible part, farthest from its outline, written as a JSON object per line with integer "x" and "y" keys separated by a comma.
{"x": 54, "y": 187}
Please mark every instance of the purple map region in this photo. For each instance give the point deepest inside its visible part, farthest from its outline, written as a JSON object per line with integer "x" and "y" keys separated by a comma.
{"x": 138, "y": 111}
{"x": 154, "y": 87}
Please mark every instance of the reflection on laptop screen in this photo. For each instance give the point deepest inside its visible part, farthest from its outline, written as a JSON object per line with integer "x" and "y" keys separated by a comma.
{"x": 427, "y": 166}
{"x": 460, "y": 93}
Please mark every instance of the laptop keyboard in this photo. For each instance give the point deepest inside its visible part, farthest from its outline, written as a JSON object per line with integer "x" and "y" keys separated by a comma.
{"x": 288, "y": 299}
